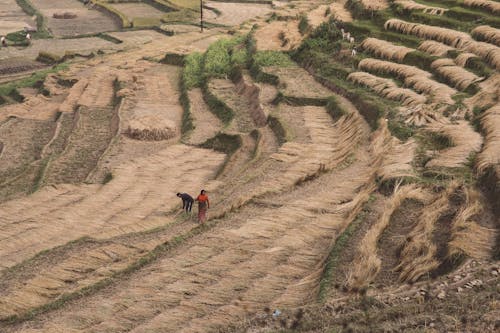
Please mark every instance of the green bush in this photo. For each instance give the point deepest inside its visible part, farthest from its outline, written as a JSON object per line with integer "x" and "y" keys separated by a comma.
{"x": 217, "y": 60}
{"x": 225, "y": 143}
{"x": 304, "y": 25}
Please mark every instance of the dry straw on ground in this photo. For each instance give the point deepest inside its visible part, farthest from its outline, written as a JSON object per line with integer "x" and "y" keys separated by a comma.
{"x": 412, "y": 5}
{"x": 469, "y": 237}
{"x": 435, "y": 48}
{"x": 424, "y": 114}
{"x": 457, "y": 76}
{"x": 385, "y": 50}
{"x": 413, "y": 77}
{"x": 465, "y": 142}
{"x": 487, "y": 34}
{"x": 462, "y": 58}
{"x": 490, "y": 155}
{"x": 491, "y": 6}
{"x": 387, "y": 88}
{"x": 151, "y": 128}
{"x": 375, "y": 4}
{"x": 418, "y": 254}
{"x": 367, "y": 263}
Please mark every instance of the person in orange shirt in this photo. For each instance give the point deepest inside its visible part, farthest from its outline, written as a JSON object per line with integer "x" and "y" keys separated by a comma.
{"x": 203, "y": 206}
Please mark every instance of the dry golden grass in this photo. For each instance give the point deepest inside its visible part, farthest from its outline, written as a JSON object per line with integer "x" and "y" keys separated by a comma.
{"x": 487, "y": 33}
{"x": 489, "y": 52}
{"x": 465, "y": 142}
{"x": 490, "y": 155}
{"x": 367, "y": 263}
{"x": 151, "y": 128}
{"x": 435, "y": 48}
{"x": 424, "y": 114}
{"x": 468, "y": 237}
{"x": 412, "y": 5}
{"x": 385, "y": 50}
{"x": 387, "y": 88}
{"x": 457, "y": 76}
{"x": 487, "y": 95}
{"x": 375, "y": 4}
{"x": 491, "y": 6}
{"x": 418, "y": 254}
{"x": 389, "y": 68}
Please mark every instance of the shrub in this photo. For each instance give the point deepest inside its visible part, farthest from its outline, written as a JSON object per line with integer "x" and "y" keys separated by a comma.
{"x": 217, "y": 60}
{"x": 273, "y": 58}
{"x": 304, "y": 25}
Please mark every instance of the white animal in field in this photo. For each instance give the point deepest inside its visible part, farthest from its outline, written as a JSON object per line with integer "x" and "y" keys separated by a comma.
{"x": 351, "y": 40}
{"x": 354, "y": 52}
{"x": 348, "y": 35}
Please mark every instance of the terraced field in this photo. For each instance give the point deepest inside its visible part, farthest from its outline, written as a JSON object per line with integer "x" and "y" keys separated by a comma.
{"x": 353, "y": 180}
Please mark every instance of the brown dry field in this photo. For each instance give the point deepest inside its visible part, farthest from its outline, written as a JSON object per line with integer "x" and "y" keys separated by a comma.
{"x": 13, "y": 17}
{"x": 344, "y": 220}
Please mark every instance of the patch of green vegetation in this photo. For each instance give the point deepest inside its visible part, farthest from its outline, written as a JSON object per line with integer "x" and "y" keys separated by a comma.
{"x": 240, "y": 56}
{"x": 183, "y": 15}
{"x": 400, "y": 130}
{"x": 304, "y": 26}
{"x": 31, "y": 81}
{"x": 279, "y": 129}
{"x": 193, "y": 70}
{"x": 419, "y": 59}
{"x": 273, "y": 58}
{"x": 220, "y": 109}
{"x": 29, "y": 9}
{"x": 217, "y": 59}
{"x": 225, "y": 143}
{"x": 335, "y": 110}
{"x": 145, "y": 22}
{"x": 48, "y": 58}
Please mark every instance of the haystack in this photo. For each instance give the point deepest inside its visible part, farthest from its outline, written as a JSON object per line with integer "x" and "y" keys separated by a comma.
{"x": 457, "y": 76}
{"x": 385, "y": 50}
{"x": 462, "y": 58}
{"x": 424, "y": 114}
{"x": 490, "y": 155}
{"x": 151, "y": 128}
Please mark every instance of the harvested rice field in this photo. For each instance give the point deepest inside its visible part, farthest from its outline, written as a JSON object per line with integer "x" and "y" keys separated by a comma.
{"x": 349, "y": 150}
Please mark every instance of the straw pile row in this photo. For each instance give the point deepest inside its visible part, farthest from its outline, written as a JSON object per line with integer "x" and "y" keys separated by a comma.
{"x": 387, "y": 88}
{"x": 490, "y": 156}
{"x": 413, "y": 77}
{"x": 487, "y": 95}
{"x": 465, "y": 142}
{"x": 448, "y": 36}
{"x": 423, "y": 115}
{"x": 70, "y": 102}
{"x": 489, "y": 52}
{"x": 487, "y": 34}
{"x": 435, "y": 48}
{"x": 467, "y": 236}
{"x": 385, "y": 50}
{"x": 491, "y": 6}
{"x": 459, "y": 77}
{"x": 367, "y": 264}
{"x": 412, "y": 5}
{"x": 418, "y": 256}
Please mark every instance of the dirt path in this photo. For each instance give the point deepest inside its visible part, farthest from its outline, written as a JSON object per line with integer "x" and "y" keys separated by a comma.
{"x": 205, "y": 122}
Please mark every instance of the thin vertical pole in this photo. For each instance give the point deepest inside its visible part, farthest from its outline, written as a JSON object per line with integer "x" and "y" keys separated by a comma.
{"x": 201, "y": 15}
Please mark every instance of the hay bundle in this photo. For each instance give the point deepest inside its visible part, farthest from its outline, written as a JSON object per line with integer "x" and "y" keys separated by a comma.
{"x": 490, "y": 155}
{"x": 412, "y": 5}
{"x": 418, "y": 256}
{"x": 467, "y": 236}
{"x": 487, "y": 95}
{"x": 491, "y": 6}
{"x": 438, "y": 92}
{"x": 489, "y": 52}
{"x": 457, "y": 76}
{"x": 375, "y": 4}
{"x": 464, "y": 139}
{"x": 385, "y": 50}
{"x": 487, "y": 34}
{"x": 390, "y": 68}
{"x": 462, "y": 58}
{"x": 65, "y": 15}
{"x": 387, "y": 88}
{"x": 423, "y": 115}
{"x": 367, "y": 263}
{"x": 448, "y": 36}
{"x": 151, "y": 128}
{"x": 435, "y": 48}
